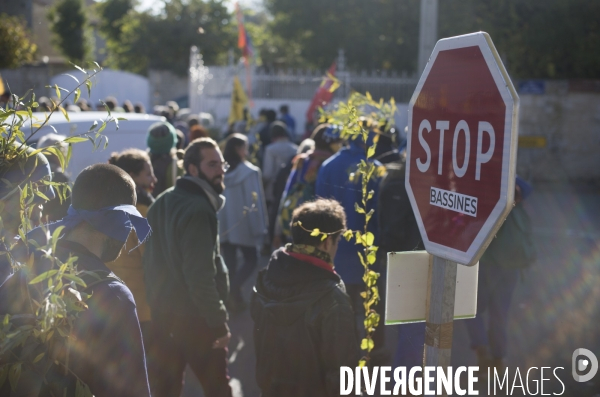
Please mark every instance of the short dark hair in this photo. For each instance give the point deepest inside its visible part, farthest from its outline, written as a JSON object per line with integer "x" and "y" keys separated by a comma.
{"x": 139, "y": 108}
{"x": 234, "y": 142}
{"x": 278, "y": 130}
{"x": 324, "y": 214}
{"x": 128, "y": 106}
{"x": 102, "y": 185}
{"x": 193, "y": 120}
{"x": 111, "y": 102}
{"x": 271, "y": 115}
{"x": 131, "y": 161}
{"x": 193, "y": 153}
{"x": 284, "y": 109}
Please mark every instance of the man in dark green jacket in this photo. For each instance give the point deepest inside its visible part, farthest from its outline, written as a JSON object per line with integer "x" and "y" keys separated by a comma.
{"x": 186, "y": 279}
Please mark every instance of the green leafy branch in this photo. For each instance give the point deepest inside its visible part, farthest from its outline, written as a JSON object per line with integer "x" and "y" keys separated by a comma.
{"x": 40, "y": 338}
{"x": 357, "y": 116}
{"x": 316, "y": 232}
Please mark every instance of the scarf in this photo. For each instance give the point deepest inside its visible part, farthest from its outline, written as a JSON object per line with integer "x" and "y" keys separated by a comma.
{"x": 311, "y": 254}
{"x": 115, "y": 222}
{"x": 216, "y": 200}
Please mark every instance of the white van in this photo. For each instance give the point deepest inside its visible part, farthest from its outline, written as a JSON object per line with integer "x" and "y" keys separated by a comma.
{"x": 132, "y": 133}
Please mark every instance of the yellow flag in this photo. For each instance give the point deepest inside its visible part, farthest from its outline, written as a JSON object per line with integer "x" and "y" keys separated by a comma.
{"x": 239, "y": 101}
{"x": 2, "y": 89}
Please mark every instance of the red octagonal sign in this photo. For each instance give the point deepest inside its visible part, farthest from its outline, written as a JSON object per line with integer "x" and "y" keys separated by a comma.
{"x": 461, "y": 151}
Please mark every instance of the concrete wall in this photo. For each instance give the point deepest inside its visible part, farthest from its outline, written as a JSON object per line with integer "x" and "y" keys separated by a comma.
{"x": 567, "y": 114}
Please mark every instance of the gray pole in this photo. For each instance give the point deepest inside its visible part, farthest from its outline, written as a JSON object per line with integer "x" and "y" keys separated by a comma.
{"x": 440, "y": 313}
{"x": 427, "y": 31}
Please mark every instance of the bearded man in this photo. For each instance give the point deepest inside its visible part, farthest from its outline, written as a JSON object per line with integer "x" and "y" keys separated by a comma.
{"x": 186, "y": 279}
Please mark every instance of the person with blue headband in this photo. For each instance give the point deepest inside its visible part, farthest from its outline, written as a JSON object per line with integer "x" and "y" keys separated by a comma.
{"x": 106, "y": 350}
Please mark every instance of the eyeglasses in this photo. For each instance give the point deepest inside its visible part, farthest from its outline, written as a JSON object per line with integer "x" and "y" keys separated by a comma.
{"x": 214, "y": 164}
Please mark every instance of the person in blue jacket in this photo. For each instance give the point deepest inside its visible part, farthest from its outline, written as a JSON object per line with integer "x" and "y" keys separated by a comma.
{"x": 338, "y": 179}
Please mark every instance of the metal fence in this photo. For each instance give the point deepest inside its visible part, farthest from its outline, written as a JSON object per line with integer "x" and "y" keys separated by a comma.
{"x": 217, "y": 82}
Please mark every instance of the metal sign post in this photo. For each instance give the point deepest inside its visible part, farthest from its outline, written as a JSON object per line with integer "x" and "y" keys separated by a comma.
{"x": 439, "y": 312}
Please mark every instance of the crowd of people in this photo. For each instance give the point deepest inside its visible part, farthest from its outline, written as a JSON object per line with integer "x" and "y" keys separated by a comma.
{"x": 214, "y": 208}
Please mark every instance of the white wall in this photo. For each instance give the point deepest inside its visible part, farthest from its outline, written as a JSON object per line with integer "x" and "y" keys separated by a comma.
{"x": 116, "y": 83}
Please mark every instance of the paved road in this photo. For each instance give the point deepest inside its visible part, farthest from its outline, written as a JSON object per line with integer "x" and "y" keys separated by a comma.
{"x": 555, "y": 309}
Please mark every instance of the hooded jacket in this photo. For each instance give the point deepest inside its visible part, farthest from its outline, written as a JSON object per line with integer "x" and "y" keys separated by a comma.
{"x": 236, "y": 227}
{"x": 304, "y": 328}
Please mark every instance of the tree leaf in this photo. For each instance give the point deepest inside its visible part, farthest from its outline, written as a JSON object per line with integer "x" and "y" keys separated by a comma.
{"x": 371, "y": 257}
{"x": 367, "y": 344}
{"x": 315, "y": 232}
{"x": 42, "y": 195}
{"x": 358, "y": 208}
{"x": 348, "y": 234}
{"x": 69, "y": 153}
{"x": 369, "y": 215}
{"x": 362, "y": 262}
{"x": 78, "y": 68}
{"x": 88, "y": 84}
{"x": 77, "y": 95}
{"x": 358, "y": 237}
{"x": 64, "y": 112}
{"x": 75, "y": 279}
{"x": 38, "y": 357}
{"x": 13, "y": 375}
{"x": 71, "y": 76}
{"x": 370, "y": 152}
{"x": 369, "y": 238}
{"x": 43, "y": 276}
{"x": 75, "y": 139}
{"x": 94, "y": 125}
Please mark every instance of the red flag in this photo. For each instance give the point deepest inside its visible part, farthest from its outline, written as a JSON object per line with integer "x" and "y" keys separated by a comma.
{"x": 244, "y": 41}
{"x": 324, "y": 93}
{"x": 245, "y": 44}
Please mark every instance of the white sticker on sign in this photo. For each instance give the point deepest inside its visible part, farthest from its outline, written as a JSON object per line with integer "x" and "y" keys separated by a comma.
{"x": 453, "y": 201}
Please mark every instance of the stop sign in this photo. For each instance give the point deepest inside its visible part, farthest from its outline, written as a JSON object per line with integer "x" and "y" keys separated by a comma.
{"x": 461, "y": 149}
